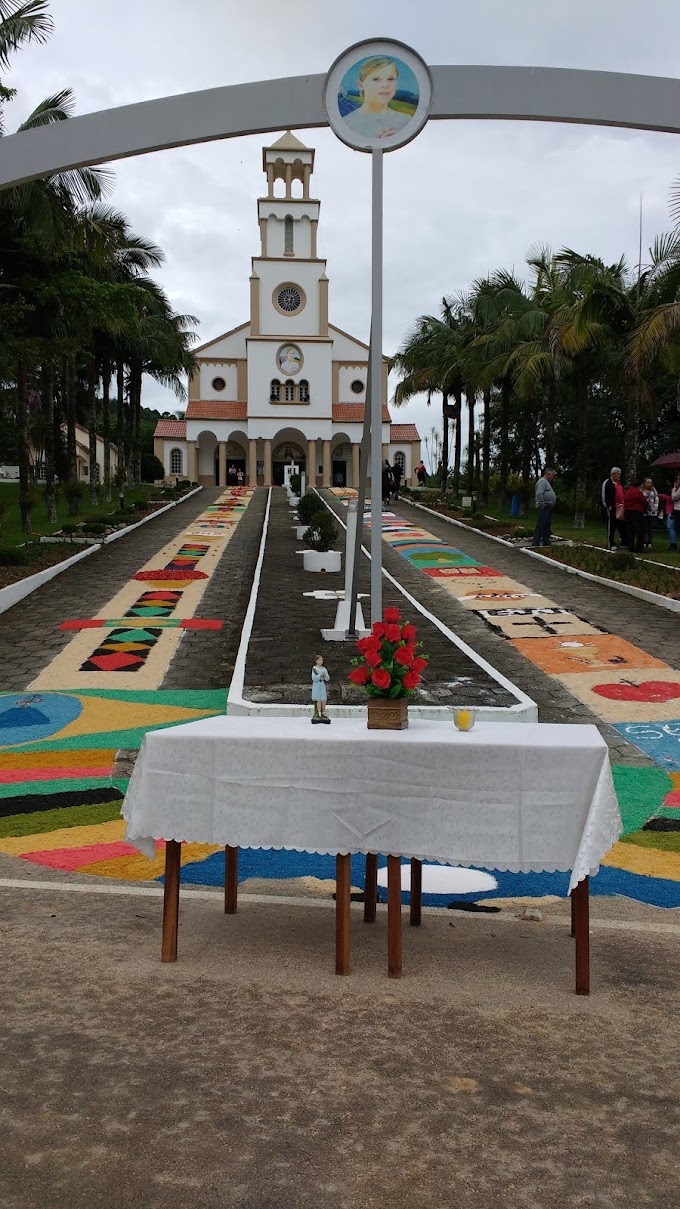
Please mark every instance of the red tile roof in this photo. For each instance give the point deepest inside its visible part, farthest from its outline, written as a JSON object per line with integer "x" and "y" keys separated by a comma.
{"x": 353, "y": 413}
{"x": 216, "y": 409}
{"x": 171, "y": 428}
{"x": 404, "y": 432}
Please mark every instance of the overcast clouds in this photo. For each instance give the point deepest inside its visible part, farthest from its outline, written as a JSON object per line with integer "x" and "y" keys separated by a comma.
{"x": 462, "y": 199}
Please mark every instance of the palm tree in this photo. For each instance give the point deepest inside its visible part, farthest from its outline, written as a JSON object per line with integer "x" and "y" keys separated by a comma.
{"x": 35, "y": 220}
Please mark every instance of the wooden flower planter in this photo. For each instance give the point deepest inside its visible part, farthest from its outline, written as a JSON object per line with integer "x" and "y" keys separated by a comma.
{"x": 384, "y": 714}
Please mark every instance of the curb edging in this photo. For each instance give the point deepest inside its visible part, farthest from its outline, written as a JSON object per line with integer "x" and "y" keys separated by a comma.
{"x": 14, "y": 593}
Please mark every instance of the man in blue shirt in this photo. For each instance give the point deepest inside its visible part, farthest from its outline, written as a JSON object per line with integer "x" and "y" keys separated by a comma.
{"x": 545, "y": 502}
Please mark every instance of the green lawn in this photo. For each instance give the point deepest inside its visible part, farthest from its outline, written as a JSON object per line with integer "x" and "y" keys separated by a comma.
{"x": 10, "y": 518}
{"x": 594, "y": 533}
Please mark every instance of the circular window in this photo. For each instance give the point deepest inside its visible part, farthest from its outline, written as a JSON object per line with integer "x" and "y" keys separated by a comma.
{"x": 218, "y": 384}
{"x": 288, "y": 298}
{"x": 357, "y": 386}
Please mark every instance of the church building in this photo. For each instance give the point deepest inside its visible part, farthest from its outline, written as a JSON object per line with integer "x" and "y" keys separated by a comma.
{"x": 287, "y": 385}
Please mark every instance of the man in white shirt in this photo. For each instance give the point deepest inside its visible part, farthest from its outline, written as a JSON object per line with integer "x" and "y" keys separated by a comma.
{"x": 545, "y": 502}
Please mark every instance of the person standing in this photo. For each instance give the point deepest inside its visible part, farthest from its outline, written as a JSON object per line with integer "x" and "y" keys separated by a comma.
{"x": 387, "y": 482}
{"x": 674, "y": 526}
{"x": 613, "y": 504}
{"x": 421, "y": 473}
{"x": 635, "y": 506}
{"x": 396, "y": 475}
{"x": 545, "y": 502}
{"x": 652, "y": 497}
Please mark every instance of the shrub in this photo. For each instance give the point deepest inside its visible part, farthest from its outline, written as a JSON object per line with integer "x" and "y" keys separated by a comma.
{"x": 14, "y": 556}
{"x": 92, "y": 519}
{"x": 623, "y": 560}
{"x": 416, "y": 496}
{"x": 95, "y": 528}
{"x": 74, "y": 492}
{"x": 295, "y": 483}
{"x": 322, "y": 532}
{"x": 308, "y": 506}
{"x": 140, "y": 506}
{"x": 70, "y": 527}
{"x": 152, "y": 468}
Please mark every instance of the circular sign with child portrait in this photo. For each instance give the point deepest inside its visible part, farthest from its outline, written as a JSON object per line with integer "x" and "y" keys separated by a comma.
{"x": 378, "y": 95}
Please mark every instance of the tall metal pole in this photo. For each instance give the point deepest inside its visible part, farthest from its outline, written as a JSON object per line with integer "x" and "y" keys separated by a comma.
{"x": 359, "y": 519}
{"x": 375, "y": 375}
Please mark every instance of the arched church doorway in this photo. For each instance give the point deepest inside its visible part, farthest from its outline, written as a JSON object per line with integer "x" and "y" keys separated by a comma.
{"x": 282, "y": 456}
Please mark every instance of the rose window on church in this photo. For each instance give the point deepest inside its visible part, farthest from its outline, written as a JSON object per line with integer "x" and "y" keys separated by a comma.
{"x": 289, "y": 299}
{"x": 357, "y": 386}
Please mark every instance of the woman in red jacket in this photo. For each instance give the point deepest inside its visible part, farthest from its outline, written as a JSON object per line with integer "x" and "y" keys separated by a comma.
{"x": 635, "y": 506}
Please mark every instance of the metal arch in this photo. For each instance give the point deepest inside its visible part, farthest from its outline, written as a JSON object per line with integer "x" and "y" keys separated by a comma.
{"x": 540, "y": 94}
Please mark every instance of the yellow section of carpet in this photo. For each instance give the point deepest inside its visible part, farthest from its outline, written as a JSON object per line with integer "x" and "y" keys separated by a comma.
{"x": 68, "y": 837}
{"x": 137, "y": 868}
{"x": 649, "y": 862}
{"x": 46, "y": 758}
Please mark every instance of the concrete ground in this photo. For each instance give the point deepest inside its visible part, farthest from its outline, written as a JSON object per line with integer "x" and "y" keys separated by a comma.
{"x": 249, "y": 1075}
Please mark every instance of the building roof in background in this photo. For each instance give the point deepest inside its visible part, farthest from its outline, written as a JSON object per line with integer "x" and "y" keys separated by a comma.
{"x": 404, "y": 432}
{"x": 353, "y": 413}
{"x": 216, "y": 409}
{"x": 171, "y": 428}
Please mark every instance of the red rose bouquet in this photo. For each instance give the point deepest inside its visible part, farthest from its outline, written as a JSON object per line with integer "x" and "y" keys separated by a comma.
{"x": 391, "y": 662}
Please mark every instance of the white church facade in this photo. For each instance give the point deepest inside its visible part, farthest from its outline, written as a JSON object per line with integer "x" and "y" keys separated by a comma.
{"x": 287, "y": 385}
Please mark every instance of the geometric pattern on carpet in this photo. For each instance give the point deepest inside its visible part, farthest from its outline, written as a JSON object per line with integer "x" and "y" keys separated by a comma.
{"x": 123, "y": 651}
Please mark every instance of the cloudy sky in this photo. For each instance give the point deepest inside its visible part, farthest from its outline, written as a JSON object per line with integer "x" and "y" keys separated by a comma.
{"x": 463, "y": 199}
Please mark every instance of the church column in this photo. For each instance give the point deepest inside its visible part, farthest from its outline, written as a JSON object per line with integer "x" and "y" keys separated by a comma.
{"x": 326, "y": 459}
{"x": 289, "y": 180}
{"x": 222, "y": 449}
{"x": 192, "y": 461}
{"x": 311, "y": 463}
{"x": 356, "y": 449}
{"x": 267, "y": 463}
{"x": 252, "y": 463}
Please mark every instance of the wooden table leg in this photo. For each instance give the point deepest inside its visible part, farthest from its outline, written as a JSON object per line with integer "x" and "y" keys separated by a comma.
{"x": 581, "y": 907}
{"x": 573, "y": 914}
{"x": 173, "y": 850}
{"x": 342, "y": 902}
{"x": 230, "y": 880}
{"x": 370, "y": 887}
{"x": 394, "y": 916}
{"x": 416, "y": 892}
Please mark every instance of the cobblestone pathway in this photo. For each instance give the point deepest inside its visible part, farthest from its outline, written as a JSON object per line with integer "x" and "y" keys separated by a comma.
{"x": 288, "y": 621}
{"x": 29, "y": 633}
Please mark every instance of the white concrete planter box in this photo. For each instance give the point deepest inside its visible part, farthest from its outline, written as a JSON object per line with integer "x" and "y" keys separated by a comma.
{"x": 316, "y": 560}
{"x": 300, "y": 532}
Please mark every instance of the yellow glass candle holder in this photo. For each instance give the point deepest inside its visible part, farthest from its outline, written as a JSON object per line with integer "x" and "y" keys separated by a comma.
{"x": 464, "y": 718}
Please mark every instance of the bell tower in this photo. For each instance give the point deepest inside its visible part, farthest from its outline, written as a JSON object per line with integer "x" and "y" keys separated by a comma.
{"x": 288, "y": 284}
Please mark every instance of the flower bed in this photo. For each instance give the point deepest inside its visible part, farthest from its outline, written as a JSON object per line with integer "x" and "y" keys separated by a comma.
{"x": 623, "y": 568}
{"x": 37, "y": 558}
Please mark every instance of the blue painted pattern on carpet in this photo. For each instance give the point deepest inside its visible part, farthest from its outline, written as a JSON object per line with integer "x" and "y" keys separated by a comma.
{"x": 268, "y": 864}
{"x": 658, "y": 740}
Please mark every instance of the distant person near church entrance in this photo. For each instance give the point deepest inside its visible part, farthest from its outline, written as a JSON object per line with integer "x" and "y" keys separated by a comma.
{"x": 397, "y": 473}
{"x": 231, "y": 475}
{"x": 421, "y": 473}
{"x": 545, "y": 502}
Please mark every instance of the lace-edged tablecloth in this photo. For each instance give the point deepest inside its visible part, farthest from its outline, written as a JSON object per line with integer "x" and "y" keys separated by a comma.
{"x": 510, "y": 796}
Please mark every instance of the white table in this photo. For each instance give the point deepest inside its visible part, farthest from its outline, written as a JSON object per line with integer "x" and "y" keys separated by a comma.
{"x": 509, "y": 796}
